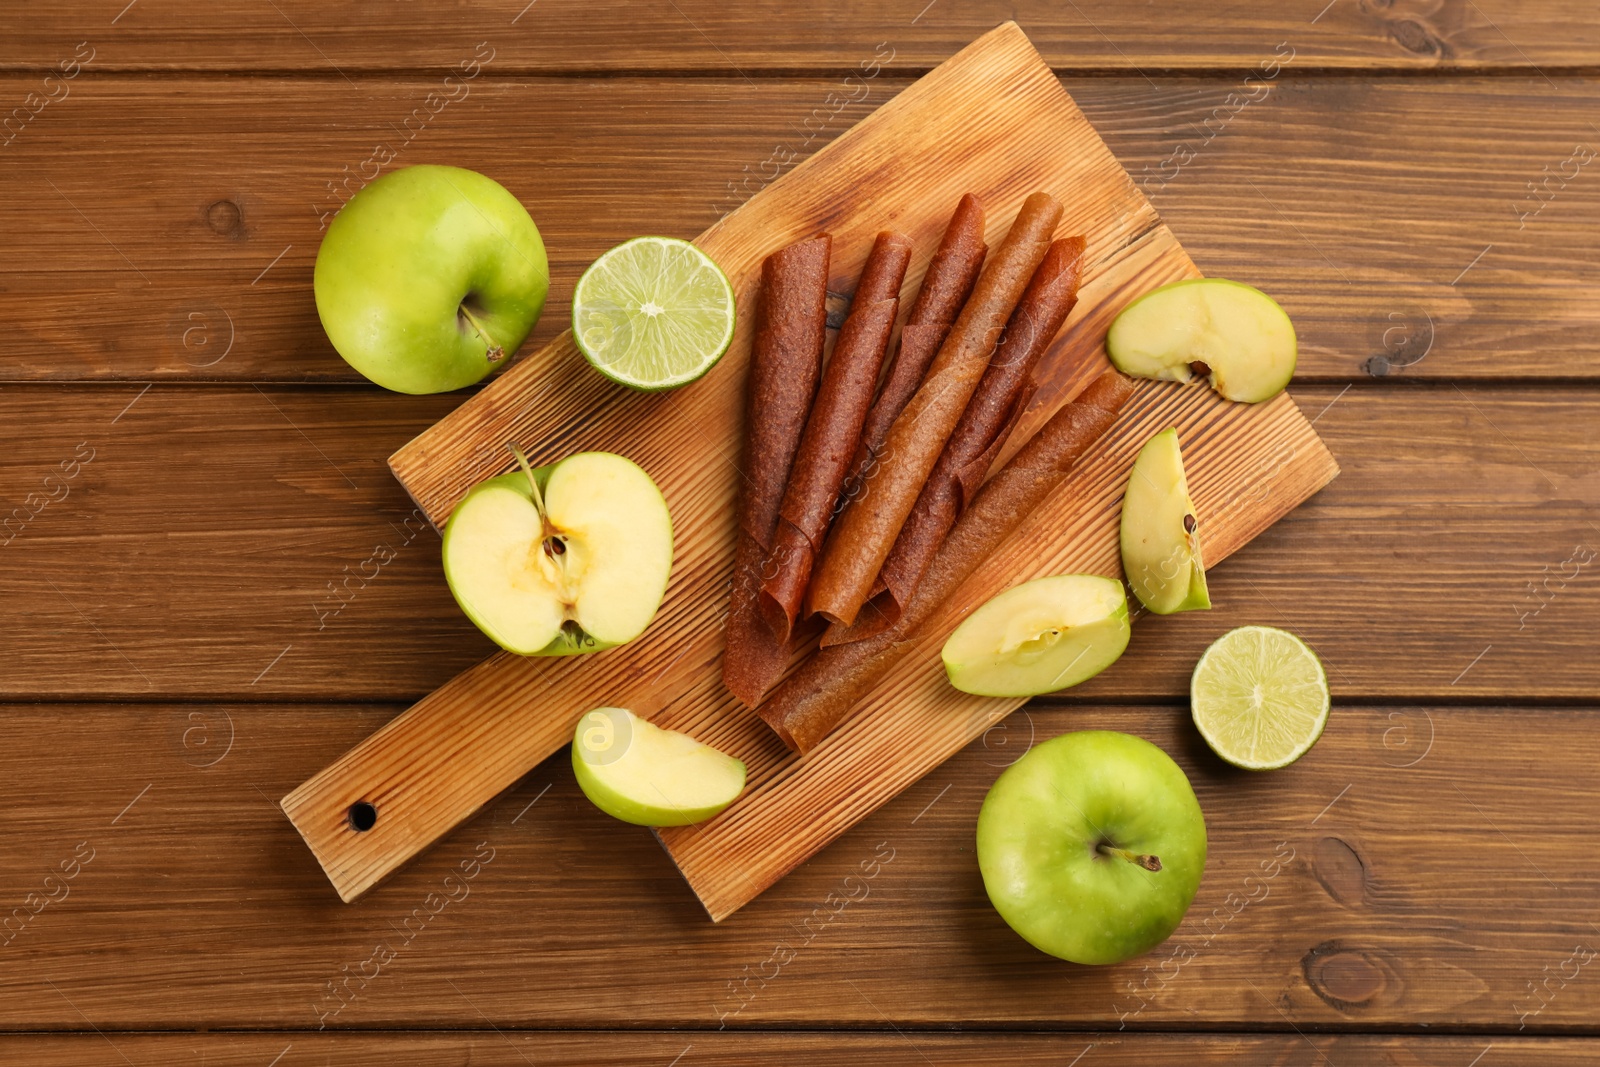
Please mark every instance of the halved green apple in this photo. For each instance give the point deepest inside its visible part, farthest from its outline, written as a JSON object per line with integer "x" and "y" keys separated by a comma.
{"x": 563, "y": 559}
{"x": 1160, "y": 534}
{"x": 635, "y": 771}
{"x": 1236, "y": 335}
{"x": 1039, "y": 637}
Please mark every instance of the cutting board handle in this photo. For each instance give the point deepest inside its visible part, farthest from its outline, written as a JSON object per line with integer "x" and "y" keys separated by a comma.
{"x": 426, "y": 772}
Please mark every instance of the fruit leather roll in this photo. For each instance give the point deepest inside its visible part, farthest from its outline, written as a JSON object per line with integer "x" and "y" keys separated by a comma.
{"x": 945, "y": 287}
{"x": 816, "y": 698}
{"x": 785, "y": 363}
{"x": 1002, "y": 396}
{"x": 866, "y": 531}
{"x": 832, "y": 432}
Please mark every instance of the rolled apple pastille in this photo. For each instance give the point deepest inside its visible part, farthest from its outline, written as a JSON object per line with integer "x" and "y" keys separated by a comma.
{"x": 815, "y": 699}
{"x": 861, "y": 539}
{"x": 785, "y": 363}
{"x": 832, "y": 432}
{"x": 1002, "y": 396}
{"x": 951, "y": 274}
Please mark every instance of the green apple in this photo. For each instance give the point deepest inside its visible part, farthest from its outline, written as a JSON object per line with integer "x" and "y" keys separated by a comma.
{"x": 568, "y": 558}
{"x": 1160, "y": 534}
{"x": 429, "y": 278}
{"x": 635, "y": 771}
{"x": 1092, "y": 846}
{"x": 1039, "y": 637}
{"x": 1237, "y": 335}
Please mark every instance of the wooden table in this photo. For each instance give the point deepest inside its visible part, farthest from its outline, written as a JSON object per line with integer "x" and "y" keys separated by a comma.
{"x": 213, "y": 586}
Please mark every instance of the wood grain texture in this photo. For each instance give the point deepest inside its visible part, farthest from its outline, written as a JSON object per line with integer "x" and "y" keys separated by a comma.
{"x": 991, "y": 121}
{"x": 915, "y": 1049}
{"x": 218, "y": 540}
{"x": 202, "y": 908}
{"x": 346, "y": 37}
{"x": 201, "y": 541}
{"x": 1357, "y": 202}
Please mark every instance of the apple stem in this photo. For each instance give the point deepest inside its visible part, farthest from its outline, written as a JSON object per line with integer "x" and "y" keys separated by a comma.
{"x": 533, "y": 483}
{"x": 553, "y": 545}
{"x": 1149, "y": 863}
{"x": 495, "y": 353}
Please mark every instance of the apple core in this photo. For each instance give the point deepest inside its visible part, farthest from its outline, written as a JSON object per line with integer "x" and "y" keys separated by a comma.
{"x": 556, "y": 560}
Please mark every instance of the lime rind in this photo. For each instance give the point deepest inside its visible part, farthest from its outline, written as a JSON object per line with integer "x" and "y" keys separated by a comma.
{"x": 653, "y": 313}
{"x": 1259, "y": 697}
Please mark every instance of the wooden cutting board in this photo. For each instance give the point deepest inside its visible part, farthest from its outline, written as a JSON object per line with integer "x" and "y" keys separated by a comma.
{"x": 991, "y": 120}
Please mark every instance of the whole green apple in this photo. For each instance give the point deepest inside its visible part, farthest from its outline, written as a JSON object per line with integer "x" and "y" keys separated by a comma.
{"x": 1092, "y": 846}
{"x": 429, "y": 278}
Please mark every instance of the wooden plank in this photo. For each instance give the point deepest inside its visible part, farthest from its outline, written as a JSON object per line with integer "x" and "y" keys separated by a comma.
{"x": 208, "y": 541}
{"x": 993, "y": 121}
{"x": 915, "y": 1049}
{"x": 201, "y": 540}
{"x": 347, "y": 37}
{"x": 201, "y": 907}
{"x": 1302, "y": 192}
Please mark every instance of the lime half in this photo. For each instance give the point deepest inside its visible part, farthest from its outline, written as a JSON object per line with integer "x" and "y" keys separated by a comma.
{"x": 653, "y": 313}
{"x": 1260, "y": 697}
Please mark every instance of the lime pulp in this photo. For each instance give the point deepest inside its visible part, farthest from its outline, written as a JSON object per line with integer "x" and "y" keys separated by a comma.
{"x": 1259, "y": 697}
{"x": 653, "y": 313}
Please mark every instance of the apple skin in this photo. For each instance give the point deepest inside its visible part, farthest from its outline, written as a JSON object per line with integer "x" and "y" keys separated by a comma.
{"x": 401, "y": 259}
{"x": 1037, "y": 840}
{"x": 1161, "y": 556}
{"x": 571, "y": 641}
{"x": 636, "y": 747}
{"x": 1078, "y": 625}
{"x": 1243, "y": 337}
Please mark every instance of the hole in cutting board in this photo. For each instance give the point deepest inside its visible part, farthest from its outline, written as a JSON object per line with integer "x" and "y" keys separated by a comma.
{"x": 363, "y": 816}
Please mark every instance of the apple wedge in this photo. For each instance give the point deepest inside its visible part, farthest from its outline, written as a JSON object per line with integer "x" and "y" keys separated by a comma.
{"x": 635, "y": 771}
{"x": 563, "y": 559}
{"x": 1236, "y": 335}
{"x": 1160, "y": 534}
{"x": 1039, "y": 637}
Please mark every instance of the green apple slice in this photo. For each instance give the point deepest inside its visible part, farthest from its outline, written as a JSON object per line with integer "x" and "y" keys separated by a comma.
{"x": 1237, "y": 335}
{"x": 1039, "y": 637}
{"x": 635, "y": 771}
{"x": 572, "y": 557}
{"x": 1160, "y": 534}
